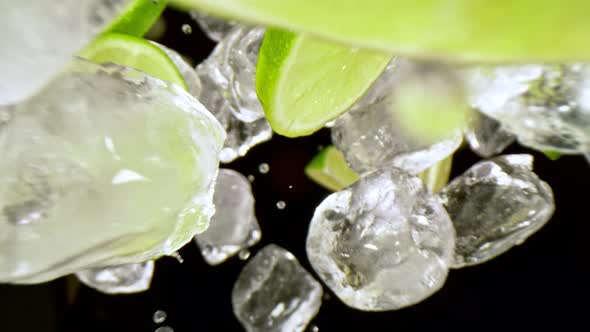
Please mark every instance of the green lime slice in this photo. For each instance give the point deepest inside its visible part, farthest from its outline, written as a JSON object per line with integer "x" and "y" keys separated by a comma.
{"x": 437, "y": 176}
{"x": 459, "y": 30}
{"x": 553, "y": 155}
{"x": 137, "y": 17}
{"x": 133, "y": 52}
{"x": 303, "y": 82}
{"x": 329, "y": 169}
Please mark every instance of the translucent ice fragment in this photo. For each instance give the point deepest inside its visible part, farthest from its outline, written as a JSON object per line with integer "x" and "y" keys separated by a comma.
{"x": 122, "y": 279}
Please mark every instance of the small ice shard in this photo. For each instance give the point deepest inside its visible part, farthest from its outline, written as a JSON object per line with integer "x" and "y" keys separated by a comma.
{"x": 189, "y": 74}
{"x": 274, "y": 293}
{"x": 546, "y": 106}
{"x": 371, "y": 134}
{"x": 40, "y": 37}
{"x": 383, "y": 243}
{"x": 122, "y": 279}
{"x": 214, "y": 27}
{"x": 494, "y": 206}
{"x": 486, "y": 137}
{"x": 234, "y": 226}
{"x": 229, "y": 92}
{"x": 105, "y": 166}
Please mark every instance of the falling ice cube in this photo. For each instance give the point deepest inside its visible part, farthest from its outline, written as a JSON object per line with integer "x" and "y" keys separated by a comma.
{"x": 274, "y": 293}
{"x": 370, "y": 134}
{"x": 546, "y": 106}
{"x": 485, "y": 135}
{"x": 383, "y": 243}
{"x": 214, "y": 27}
{"x": 122, "y": 279}
{"x": 40, "y": 37}
{"x": 105, "y": 166}
{"x": 495, "y": 205}
{"x": 227, "y": 78}
{"x": 234, "y": 226}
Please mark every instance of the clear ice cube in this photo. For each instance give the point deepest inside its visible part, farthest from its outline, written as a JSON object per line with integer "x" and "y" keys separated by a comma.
{"x": 40, "y": 37}
{"x": 370, "y": 136}
{"x": 122, "y": 279}
{"x": 228, "y": 81}
{"x": 495, "y": 205}
{"x": 105, "y": 166}
{"x": 214, "y": 27}
{"x": 274, "y": 293}
{"x": 383, "y": 243}
{"x": 234, "y": 226}
{"x": 189, "y": 74}
{"x": 546, "y": 106}
{"x": 485, "y": 135}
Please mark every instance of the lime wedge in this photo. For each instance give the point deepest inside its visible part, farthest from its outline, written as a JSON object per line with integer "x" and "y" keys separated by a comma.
{"x": 459, "y": 30}
{"x": 329, "y": 169}
{"x": 553, "y": 155}
{"x": 303, "y": 82}
{"x": 137, "y": 17}
{"x": 437, "y": 176}
{"x": 133, "y": 52}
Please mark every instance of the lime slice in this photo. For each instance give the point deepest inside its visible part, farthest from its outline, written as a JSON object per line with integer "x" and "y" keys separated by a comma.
{"x": 137, "y": 17}
{"x": 553, "y": 155}
{"x": 459, "y": 30}
{"x": 303, "y": 82}
{"x": 329, "y": 169}
{"x": 437, "y": 176}
{"x": 133, "y": 52}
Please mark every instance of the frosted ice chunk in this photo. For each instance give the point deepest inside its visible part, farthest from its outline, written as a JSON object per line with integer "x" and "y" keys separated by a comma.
{"x": 228, "y": 81}
{"x": 233, "y": 226}
{"x": 495, "y": 205}
{"x": 370, "y": 136}
{"x": 189, "y": 74}
{"x": 214, "y": 27}
{"x": 105, "y": 166}
{"x": 546, "y": 106}
{"x": 383, "y": 243}
{"x": 486, "y": 137}
{"x": 274, "y": 293}
{"x": 40, "y": 37}
{"x": 122, "y": 279}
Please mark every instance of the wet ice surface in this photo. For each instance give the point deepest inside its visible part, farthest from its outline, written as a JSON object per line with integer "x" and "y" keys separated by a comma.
{"x": 234, "y": 226}
{"x": 39, "y": 38}
{"x": 228, "y": 81}
{"x": 546, "y": 106}
{"x": 494, "y": 206}
{"x": 189, "y": 74}
{"x": 486, "y": 137}
{"x": 274, "y": 293}
{"x": 383, "y": 243}
{"x": 215, "y": 28}
{"x": 370, "y": 137}
{"x": 105, "y": 166}
{"x": 122, "y": 279}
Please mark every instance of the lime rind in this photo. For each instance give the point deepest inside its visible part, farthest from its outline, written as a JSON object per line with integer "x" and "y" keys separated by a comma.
{"x": 137, "y": 17}
{"x": 136, "y": 53}
{"x": 437, "y": 176}
{"x": 329, "y": 169}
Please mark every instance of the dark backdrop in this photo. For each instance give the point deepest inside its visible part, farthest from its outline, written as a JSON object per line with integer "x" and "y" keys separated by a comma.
{"x": 542, "y": 283}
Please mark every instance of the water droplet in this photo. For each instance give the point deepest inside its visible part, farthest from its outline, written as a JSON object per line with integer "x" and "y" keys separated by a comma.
{"x": 251, "y": 178}
{"x": 290, "y": 186}
{"x": 244, "y": 254}
{"x": 281, "y": 205}
{"x": 263, "y": 168}
{"x": 178, "y": 257}
{"x": 24, "y": 213}
{"x": 159, "y": 316}
{"x": 155, "y": 2}
{"x": 165, "y": 329}
{"x": 314, "y": 328}
{"x": 326, "y": 296}
{"x": 187, "y": 29}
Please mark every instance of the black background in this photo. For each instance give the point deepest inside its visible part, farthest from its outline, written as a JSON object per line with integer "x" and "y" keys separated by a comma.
{"x": 542, "y": 283}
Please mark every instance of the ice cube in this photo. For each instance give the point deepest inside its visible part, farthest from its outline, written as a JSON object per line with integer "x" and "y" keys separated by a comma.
{"x": 40, "y": 37}
{"x": 189, "y": 74}
{"x": 214, "y": 27}
{"x": 105, "y": 166}
{"x": 371, "y": 136}
{"x": 485, "y": 135}
{"x": 546, "y": 106}
{"x": 495, "y": 205}
{"x": 274, "y": 293}
{"x": 229, "y": 92}
{"x": 383, "y": 243}
{"x": 233, "y": 226}
{"x": 122, "y": 279}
